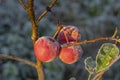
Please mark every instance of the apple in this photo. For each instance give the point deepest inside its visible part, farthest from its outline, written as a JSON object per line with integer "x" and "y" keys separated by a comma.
{"x": 46, "y": 49}
{"x": 70, "y": 55}
{"x": 68, "y": 34}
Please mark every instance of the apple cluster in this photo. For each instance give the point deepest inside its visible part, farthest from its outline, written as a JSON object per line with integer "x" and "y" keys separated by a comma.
{"x": 46, "y": 48}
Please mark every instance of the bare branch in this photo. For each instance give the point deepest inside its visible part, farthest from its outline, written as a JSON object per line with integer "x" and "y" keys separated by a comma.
{"x": 95, "y": 40}
{"x": 31, "y": 14}
{"x": 18, "y": 59}
{"x": 23, "y": 4}
{"x": 88, "y": 41}
{"x": 34, "y": 36}
{"x": 40, "y": 70}
{"x": 46, "y": 11}
{"x": 31, "y": 10}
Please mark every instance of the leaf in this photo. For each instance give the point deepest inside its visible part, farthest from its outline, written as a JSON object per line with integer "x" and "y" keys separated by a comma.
{"x": 106, "y": 53}
{"x": 90, "y": 65}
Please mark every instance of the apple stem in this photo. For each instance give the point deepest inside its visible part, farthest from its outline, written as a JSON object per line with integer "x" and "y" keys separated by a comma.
{"x": 59, "y": 27}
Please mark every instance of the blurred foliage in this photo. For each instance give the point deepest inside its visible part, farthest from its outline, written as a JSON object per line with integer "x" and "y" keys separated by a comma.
{"x": 94, "y": 18}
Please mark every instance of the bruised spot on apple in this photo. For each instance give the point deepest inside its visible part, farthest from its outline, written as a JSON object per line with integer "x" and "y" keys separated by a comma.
{"x": 46, "y": 49}
{"x": 69, "y": 34}
{"x": 70, "y": 55}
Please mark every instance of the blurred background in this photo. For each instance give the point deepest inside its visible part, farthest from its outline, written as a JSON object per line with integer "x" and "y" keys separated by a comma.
{"x": 94, "y": 18}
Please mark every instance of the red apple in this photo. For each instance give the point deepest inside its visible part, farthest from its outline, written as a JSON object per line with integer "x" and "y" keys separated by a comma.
{"x": 68, "y": 34}
{"x": 70, "y": 55}
{"x": 46, "y": 49}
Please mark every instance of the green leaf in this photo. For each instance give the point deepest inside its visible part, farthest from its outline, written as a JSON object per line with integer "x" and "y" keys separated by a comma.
{"x": 90, "y": 65}
{"x": 106, "y": 53}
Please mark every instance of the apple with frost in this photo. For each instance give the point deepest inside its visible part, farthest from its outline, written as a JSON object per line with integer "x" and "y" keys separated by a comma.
{"x": 70, "y": 55}
{"x": 46, "y": 49}
{"x": 68, "y": 34}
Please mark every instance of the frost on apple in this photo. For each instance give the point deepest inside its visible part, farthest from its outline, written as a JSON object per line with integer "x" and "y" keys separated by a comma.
{"x": 68, "y": 34}
{"x": 70, "y": 55}
{"x": 46, "y": 49}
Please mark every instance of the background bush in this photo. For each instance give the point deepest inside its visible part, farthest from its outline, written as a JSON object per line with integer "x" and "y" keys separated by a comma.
{"x": 94, "y": 18}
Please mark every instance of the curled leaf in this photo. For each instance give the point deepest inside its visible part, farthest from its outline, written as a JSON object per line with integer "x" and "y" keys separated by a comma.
{"x": 106, "y": 53}
{"x": 90, "y": 65}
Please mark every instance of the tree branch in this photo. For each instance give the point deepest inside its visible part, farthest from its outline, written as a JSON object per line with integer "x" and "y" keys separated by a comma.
{"x": 46, "y": 11}
{"x": 96, "y": 40}
{"x": 23, "y": 4}
{"x": 91, "y": 41}
{"x": 31, "y": 14}
{"x": 35, "y": 36}
{"x": 18, "y": 59}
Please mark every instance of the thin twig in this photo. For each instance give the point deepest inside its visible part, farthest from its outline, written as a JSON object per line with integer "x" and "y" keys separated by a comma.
{"x": 23, "y": 4}
{"x": 59, "y": 27}
{"x": 99, "y": 75}
{"x": 95, "y": 40}
{"x": 90, "y": 41}
{"x": 18, "y": 59}
{"x": 115, "y": 32}
{"x": 89, "y": 77}
{"x": 46, "y": 11}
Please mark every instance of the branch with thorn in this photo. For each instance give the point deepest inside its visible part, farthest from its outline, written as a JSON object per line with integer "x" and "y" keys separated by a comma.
{"x": 48, "y": 8}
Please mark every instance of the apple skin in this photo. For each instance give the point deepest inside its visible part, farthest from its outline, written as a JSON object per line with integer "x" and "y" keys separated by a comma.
{"x": 72, "y": 33}
{"x": 46, "y": 49}
{"x": 70, "y": 55}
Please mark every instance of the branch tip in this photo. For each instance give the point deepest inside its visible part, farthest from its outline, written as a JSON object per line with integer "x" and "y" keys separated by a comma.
{"x": 23, "y": 4}
{"x": 18, "y": 59}
{"x": 115, "y": 33}
{"x": 48, "y": 8}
